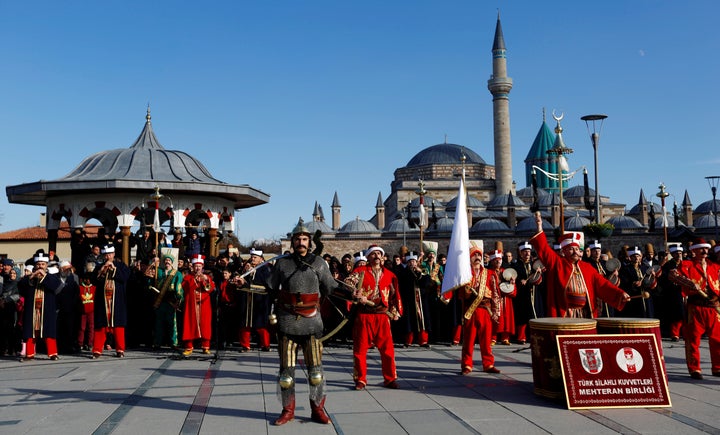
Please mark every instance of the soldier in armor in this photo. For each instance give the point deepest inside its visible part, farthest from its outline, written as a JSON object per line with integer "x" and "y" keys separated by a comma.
{"x": 298, "y": 281}
{"x": 168, "y": 284}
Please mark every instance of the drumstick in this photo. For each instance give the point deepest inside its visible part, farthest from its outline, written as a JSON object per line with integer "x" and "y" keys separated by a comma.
{"x": 644, "y": 295}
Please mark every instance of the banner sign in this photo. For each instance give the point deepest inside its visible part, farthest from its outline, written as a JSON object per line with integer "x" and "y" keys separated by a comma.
{"x": 613, "y": 371}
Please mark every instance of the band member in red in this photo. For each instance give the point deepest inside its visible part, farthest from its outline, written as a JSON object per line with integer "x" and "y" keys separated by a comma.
{"x": 378, "y": 295}
{"x": 40, "y": 315}
{"x": 481, "y": 311}
{"x": 506, "y": 322}
{"x": 573, "y": 285}
{"x": 111, "y": 304}
{"x": 699, "y": 280}
{"x": 197, "y": 316}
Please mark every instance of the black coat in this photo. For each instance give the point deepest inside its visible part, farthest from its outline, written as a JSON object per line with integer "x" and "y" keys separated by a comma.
{"x": 49, "y": 285}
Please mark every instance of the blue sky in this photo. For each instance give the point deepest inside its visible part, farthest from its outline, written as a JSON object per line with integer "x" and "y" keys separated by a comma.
{"x": 303, "y": 99}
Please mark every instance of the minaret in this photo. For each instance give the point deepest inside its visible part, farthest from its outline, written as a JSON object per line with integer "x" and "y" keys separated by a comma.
{"x": 335, "y": 212}
{"x": 380, "y": 212}
{"x": 499, "y": 86}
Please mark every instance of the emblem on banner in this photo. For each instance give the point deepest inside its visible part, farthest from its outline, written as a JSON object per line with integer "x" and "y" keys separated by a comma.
{"x": 629, "y": 360}
{"x": 591, "y": 360}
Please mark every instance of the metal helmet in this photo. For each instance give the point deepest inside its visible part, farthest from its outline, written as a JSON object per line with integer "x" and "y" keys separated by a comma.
{"x": 300, "y": 228}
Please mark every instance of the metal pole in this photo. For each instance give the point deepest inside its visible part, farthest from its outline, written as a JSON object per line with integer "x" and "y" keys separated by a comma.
{"x": 713, "y": 181}
{"x": 595, "y": 138}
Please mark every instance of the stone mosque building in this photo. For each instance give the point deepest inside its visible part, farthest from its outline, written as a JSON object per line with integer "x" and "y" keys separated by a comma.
{"x": 497, "y": 211}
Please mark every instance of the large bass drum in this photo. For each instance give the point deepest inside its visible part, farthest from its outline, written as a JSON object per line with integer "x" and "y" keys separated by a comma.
{"x": 547, "y": 373}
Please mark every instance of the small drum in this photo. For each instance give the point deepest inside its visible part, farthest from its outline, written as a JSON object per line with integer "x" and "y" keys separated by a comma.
{"x": 547, "y": 373}
{"x": 631, "y": 325}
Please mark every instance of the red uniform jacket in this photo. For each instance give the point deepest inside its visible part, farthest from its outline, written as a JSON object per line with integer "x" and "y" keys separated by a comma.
{"x": 197, "y": 315}
{"x": 693, "y": 270}
{"x": 558, "y": 274}
{"x": 387, "y": 295}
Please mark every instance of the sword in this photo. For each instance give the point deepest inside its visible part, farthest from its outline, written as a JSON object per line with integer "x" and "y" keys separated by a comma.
{"x": 264, "y": 263}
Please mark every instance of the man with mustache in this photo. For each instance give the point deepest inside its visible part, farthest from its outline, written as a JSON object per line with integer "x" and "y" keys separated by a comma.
{"x": 573, "y": 285}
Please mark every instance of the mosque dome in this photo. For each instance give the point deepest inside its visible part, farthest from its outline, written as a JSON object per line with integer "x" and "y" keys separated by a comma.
{"x": 625, "y": 223}
{"x": 576, "y": 223}
{"x": 578, "y": 192}
{"x": 472, "y": 202}
{"x": 444, "y": 224}
{"x": 707, "y": 207}
{"x": 638, "y": 207}
{"x": 358, "y": 226}
{"x": 505, "y": 200}
{"x": 319, "y": 225}
{"x": 445, "y": 154}
{"x": 489, "y": 225}
{"x": 706, "y": 221}
{"x": 400, "y": 226}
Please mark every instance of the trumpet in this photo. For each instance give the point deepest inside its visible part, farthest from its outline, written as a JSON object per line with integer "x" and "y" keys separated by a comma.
{"x": 203, "y": 280}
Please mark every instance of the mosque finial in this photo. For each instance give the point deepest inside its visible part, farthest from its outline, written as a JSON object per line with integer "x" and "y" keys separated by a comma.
{"x": 148, "y": 117}
{"x": 543, "y": 114}
{"x": 445, "y": 138}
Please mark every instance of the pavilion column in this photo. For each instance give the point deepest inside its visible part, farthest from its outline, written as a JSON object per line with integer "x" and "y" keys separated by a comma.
{"x": 52, "y": 240}
{"x": 125, "y": 231}
{"x": 213, "y": 247}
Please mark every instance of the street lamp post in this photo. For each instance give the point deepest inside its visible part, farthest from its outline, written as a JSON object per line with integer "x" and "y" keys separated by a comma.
{"x": 713, "y": 181}
{"x": 595, "y": 138}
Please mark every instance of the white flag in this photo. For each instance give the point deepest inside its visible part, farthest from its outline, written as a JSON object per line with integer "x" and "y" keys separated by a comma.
{"x": 457, "y": 269}
{"x": 423, "y": 221}
{"x": 156, "y": 219}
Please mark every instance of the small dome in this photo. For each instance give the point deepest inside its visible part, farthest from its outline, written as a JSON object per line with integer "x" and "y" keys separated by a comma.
{"x": 635, "y": 211}
{"x": 547, "y": 200}
{"x": 445, "y": 154}
{"x": 472, "y": 202}
{"x": 576, "y": 223}
{"x": 358, "y": 226}
{"x": 625, "y": 223}
{"x": 577, "y": 192}
{"x": 319, "y": 225}
{"x": 502, "y": 201}
{"x": 707, "y": 221}
{"x": 444, "y": 224}
{"x": 527, "y": 192}
{"x": 528, "y": 226}
{"x": 659, "y": 222}
{"x": 400, "y": 226}
{"x": 707, "y": 207}
{"x": 489, "y": 225}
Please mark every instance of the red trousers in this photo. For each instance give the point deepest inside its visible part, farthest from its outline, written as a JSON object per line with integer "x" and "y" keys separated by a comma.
{"x": 521, "y": 332}
{"x": 50, "y": 343}
{"x": 263, "y": 337}
{"x": 87, "y": 322}
{"x": 702, "y": 320}
{"x": 373, "y": 329}
{"x": 479, "y": 328}
{"x": 422, "y": 337}
{"x": 675, "y": 328}
{"x": 204, "y": 344}
{"x": 101, "y": 334}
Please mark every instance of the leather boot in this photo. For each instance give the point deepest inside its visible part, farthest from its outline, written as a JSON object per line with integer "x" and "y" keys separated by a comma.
{"x": 287, "y": 414}
{"x": 318, "y": 414}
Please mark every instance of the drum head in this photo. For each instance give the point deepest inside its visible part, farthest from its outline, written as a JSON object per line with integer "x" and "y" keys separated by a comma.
{"x": 509, "y": 274}
{"x": 506, "y": 287}
{"x": 537, "y": 264}
{"x": 612, "y": 265}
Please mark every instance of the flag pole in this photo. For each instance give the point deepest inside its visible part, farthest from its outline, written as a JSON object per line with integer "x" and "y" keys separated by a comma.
{"x": 422, "y": 214}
